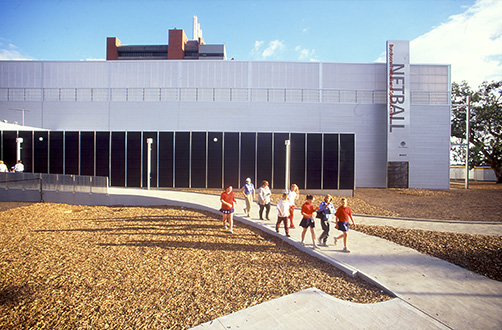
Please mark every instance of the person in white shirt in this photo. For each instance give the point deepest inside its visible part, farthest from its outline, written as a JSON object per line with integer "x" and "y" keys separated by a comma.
{"x": 3, "y": 167}
{"x": 264, "y": 199}
{"x": 282, "y": 213}
{"x": 293, "y": 195}
{"x": 19, "y": 167}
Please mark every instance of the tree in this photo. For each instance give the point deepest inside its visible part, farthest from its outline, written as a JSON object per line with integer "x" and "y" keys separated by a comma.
{"x": 485, "y": 138}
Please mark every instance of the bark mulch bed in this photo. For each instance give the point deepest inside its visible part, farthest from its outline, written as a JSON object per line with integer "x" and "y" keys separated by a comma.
{"x": 478, "y": 253}
{"x": 64, "y": 266}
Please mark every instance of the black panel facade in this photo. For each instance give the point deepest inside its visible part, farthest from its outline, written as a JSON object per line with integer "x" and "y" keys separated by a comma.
{"x": 314, "y": 161}
{"x": 71, "y": 153}
{"x": 182, "y": 159}
{"x": 9, "y": 148}
{"x": 264, "y": 158}
{"x": 347, "y": 161}
{"x": 166, "y": 159}
{"x": 231, "y": 165}
{"x": 102, "y": 153}
{"x": 330, "y": 162}
{"x": 190, "y": 159}
{"x": 215, "y": 160}
{"x": 87, "y": 153}
{"x": 118, "y": 160}
{"x": 248, "y": 159}
{"x": 56, "y": 151}
{"x": 133, "y": 163}
{"x": 297, "y": 160}
{"x": 198, "y": 168}
{"x": 27, "y": 150}
{"x": 279, "y": 160}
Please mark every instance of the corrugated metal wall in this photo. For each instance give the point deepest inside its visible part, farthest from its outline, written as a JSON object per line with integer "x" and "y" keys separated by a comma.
{"x": 239, "y": 97}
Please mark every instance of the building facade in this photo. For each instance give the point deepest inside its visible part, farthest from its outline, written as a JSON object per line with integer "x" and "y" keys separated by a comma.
{"x": 247, "y": 97}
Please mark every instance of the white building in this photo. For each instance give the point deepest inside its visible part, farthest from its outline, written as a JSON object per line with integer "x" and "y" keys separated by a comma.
{"x": 245, "y": 96}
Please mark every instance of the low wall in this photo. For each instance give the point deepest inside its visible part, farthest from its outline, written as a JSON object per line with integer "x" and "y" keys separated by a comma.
{"x": 476, "y": 173}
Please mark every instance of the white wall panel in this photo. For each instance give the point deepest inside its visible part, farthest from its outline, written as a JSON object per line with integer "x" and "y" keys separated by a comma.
{"x": 75, "y": 74}
{"x": 74, "y": 116}
{"x": 20, "y": 74}
{"x": 353, "y": 76}
{"x": 429, "y": 159}
{"x": 284, "y": 74}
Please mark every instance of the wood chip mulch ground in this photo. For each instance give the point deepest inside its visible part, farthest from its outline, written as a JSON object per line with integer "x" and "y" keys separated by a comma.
{"x": 84, "y": 267}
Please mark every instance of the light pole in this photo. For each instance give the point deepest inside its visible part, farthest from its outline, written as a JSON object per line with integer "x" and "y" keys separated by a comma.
{"x": 22, "y": 114}
{"x": 288, "y": 163}
{"x": 149, "y": 142}
{"x": 19, "y": 141}
{"x": 467, "y": 133}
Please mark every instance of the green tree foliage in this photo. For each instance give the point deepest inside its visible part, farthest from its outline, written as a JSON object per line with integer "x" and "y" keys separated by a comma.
{"x": 485, "y": 138}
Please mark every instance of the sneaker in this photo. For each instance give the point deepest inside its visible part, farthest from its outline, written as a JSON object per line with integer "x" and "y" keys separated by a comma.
{"x": 225, "y": 225}
{"x": 315, "y": 246}
{"x": 345, "y": 249}
{"x": 303, "y": 244}
{"x": 335, "y": 240}
{"x": 231, "y": 231}
{"x": 276, "y": 230}
{"x": 319, "y": 241}
{"x": 287, "y": 235}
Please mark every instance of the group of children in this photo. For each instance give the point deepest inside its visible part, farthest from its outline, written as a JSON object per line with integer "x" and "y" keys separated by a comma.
{"x": 285, "y": 209}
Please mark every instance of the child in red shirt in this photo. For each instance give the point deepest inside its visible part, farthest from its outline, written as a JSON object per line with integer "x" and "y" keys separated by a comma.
{"x": 343, "y": 214}
{"x": 228, "y": 202}
{"x": 308, "y": 209}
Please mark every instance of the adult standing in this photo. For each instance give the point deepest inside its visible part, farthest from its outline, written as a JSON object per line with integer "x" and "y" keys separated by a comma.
{"x": 3, "y": 167}
{"x": 264, "y": 194}
{"x": 228, "y": 202}
{"x": 248, "y": 191}
{"x": 293, "y": 195}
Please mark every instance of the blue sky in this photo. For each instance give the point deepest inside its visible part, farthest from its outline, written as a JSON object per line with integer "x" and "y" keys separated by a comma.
{"x": 464, "y": 33}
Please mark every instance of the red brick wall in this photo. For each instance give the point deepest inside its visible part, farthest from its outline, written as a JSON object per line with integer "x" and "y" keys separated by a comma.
{"x": 176, "y": 45}
{"x": 111, "y": 48}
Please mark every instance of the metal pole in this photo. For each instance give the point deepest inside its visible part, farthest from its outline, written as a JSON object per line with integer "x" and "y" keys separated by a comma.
{"x": 467, "y": 133}
{"x": 288, "y": 163}
{"x": 149, "y": 142}
{"x": 19, "y": 141}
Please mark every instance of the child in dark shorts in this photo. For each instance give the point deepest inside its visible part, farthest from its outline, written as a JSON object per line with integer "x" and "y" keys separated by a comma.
{"x": 308, "y": 220}
{"x": 343, "y": 214}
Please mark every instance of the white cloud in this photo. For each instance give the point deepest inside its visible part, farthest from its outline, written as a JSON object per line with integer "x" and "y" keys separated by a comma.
{"x": 257, "y": 47}
{"x": 306, "y": 54}
{"x": 273, "y": 51}
{"x": 471, "y": 42}
{"x": 275, "y": 47}
{"x": 11, "y": 52}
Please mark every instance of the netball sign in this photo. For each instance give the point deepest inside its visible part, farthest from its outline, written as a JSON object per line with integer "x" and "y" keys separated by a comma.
{"x": 398, "y": 100}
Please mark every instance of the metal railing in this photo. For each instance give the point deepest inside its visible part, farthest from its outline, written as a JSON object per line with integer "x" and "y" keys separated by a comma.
{"x": 54, "y": 182}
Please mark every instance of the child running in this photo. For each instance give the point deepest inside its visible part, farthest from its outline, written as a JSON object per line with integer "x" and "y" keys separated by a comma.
{"x": 308, "y": 220}
{"x": 282, "y": 213}
{"x": 343, "y": 214}
{"x": 328, "y": 209}
{"x": 228, "y": 201}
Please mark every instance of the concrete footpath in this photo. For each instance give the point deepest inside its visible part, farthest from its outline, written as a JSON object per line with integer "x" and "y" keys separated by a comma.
{"x": 431, "y": 293}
